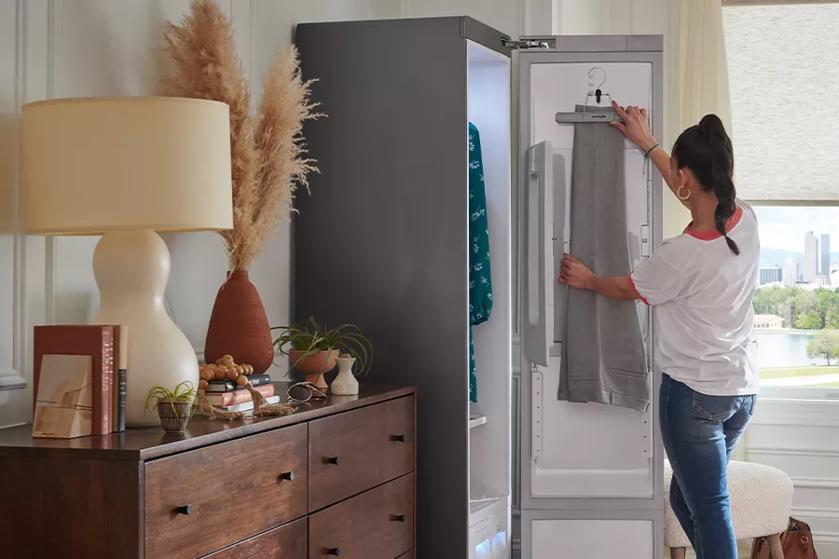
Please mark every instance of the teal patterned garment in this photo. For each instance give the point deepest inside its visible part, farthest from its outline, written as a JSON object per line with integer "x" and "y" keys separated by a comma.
{"x": 480, "y": 278}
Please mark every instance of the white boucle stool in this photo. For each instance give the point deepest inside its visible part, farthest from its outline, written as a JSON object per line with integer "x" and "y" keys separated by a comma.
{"x": 761, "y": 499}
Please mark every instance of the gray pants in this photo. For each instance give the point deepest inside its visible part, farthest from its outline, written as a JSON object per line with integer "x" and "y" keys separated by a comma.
{"x": 603, "y": 356}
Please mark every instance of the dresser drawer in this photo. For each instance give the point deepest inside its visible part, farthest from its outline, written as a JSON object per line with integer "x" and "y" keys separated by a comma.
{"x": 286, "y": 542}
{"x": 206, "y": 499}
{"x": 378, "y": 524}
{"x": 354, "y": 451}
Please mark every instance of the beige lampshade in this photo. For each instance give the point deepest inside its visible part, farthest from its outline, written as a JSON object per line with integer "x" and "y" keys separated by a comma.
{"x": 92, "y": 165}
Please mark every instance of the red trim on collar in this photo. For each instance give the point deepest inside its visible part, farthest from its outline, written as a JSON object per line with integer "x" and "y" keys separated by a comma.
{"x": 712, "y": 235}
{"x": 634, "y": 290}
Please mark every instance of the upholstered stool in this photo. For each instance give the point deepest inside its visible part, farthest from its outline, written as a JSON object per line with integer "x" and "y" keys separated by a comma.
{"x": 761, "y": 499}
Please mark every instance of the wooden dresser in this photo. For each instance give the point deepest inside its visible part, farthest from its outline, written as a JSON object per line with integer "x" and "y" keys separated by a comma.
{"x": 336, "y": 478}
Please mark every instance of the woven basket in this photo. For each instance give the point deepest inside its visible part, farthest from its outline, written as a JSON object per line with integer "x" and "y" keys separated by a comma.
{"x": 174, "y": 415}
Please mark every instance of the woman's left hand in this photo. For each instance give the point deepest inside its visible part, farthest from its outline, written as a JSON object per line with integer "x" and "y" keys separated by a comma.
{"x": 574, "y": 273}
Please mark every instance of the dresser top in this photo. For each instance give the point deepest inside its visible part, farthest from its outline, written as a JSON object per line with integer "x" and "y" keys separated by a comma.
{"x": 152, "y": 442}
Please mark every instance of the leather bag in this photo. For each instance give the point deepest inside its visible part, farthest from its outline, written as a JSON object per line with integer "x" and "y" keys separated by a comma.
{"x": 796, "y": 543}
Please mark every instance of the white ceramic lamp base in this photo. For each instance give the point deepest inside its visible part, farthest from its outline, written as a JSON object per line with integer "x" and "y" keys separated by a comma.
{"x": 132, "y": 269}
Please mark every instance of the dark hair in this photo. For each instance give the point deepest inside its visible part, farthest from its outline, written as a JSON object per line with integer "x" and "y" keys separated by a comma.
{"x": 706, "y": 150}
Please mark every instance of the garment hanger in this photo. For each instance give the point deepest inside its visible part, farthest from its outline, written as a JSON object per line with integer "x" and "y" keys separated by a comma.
{"x": 604, "y": 113}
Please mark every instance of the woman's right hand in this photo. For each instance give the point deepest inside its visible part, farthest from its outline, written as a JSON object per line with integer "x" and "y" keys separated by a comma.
{"x": 635, "y": 126}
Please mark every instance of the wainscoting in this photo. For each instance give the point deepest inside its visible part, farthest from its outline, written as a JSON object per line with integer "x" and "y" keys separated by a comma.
{"x": 801, "y": 437}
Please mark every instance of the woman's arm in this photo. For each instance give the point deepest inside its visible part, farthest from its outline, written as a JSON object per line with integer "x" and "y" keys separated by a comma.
{"x": 636, "y": 128}
{"x": 576, "y": 274}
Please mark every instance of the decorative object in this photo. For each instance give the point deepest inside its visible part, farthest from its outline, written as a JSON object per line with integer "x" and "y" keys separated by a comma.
{"x": 174, "y": 407}
{"x": 225, "y": 368}
{"x": 233, "y": 403}
{"x": 314, "y": 350}
{"x": 314, "y": 364}
{"x": 64, "y": 403}
{"x": 239, "y": 325}
{"x": 345, "y": 384}
{"x": 126, "y": 167}
{"x": 96, "y": 341}
{"x": 269, "y": 163}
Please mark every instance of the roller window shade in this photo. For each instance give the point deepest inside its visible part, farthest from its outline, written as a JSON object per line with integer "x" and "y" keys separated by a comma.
{"x": 783, "y": 75}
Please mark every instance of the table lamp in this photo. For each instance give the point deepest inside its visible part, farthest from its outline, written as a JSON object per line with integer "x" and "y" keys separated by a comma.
{"x": 126, "y": 168}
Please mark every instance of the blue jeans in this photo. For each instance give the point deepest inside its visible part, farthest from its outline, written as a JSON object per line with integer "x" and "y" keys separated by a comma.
{"x": 699, "y": 433}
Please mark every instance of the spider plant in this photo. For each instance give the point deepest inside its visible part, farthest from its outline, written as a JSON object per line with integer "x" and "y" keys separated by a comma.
{"x": 312, "y": 338}
{"x": 183, "y": 393}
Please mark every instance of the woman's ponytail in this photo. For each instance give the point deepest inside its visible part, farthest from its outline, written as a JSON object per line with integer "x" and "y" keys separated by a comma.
{"x": 706, "y": 150}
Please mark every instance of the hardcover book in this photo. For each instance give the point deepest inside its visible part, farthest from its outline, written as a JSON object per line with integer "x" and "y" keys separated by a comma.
{"x": 247, "y": 406}
{"x": 96, "y": 341}
{"x": 64, "y": 399}
{"x": 229, "y": 385}
{"x": 238, "y": 396}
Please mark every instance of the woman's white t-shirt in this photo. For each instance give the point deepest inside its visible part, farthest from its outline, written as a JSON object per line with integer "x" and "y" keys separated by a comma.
{"x": 702, "y": 298}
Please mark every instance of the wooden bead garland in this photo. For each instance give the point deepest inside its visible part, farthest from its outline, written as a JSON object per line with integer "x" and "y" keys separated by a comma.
{"x": 226, "y": 368}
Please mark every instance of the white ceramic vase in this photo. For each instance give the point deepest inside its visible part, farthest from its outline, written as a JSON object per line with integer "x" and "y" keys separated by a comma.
{"x": 345, "y": 383}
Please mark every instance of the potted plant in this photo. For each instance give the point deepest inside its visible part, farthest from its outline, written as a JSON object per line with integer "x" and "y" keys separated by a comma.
{"x": 174, "y": 407}
{"x": 313, "y": 350}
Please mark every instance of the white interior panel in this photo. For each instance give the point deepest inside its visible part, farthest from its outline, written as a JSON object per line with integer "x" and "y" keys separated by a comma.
{"x": 488, "y": 109}
{"x": 612, "y": 446}
{"x": 561, "y": 539}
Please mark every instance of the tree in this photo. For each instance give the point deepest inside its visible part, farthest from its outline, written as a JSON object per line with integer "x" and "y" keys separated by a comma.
{"x": 824, "y": 344}
{"x": 809, "y": 320}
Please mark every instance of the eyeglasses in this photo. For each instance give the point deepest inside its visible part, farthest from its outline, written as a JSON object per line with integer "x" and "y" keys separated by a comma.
{"x": 305, "y": 391}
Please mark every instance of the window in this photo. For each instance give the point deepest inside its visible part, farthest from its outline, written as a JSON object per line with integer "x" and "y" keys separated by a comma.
{"x": 781, "y": 71}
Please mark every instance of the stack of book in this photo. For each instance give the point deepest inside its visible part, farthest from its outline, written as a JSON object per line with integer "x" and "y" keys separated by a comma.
{"x": 79, "y": 376}
{"x": 229, "y": 396}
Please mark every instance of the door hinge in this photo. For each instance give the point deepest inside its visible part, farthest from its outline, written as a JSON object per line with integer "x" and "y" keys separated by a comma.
{"x": 527, "y": 44}
{"x": 536, "y": 412}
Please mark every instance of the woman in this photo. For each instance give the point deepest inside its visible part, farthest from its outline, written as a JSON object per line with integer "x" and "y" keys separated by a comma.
{"x": 701, "y": 285}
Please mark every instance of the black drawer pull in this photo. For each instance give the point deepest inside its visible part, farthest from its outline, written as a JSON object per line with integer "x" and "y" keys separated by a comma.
{"x": 333, "y": 551}
{"x": 332, "y": 460}
{"x": 288, "y": 476}
{"x": 397, "y": 517}
{"x": 398, "y": 438}
{"x": 186, "y": 509}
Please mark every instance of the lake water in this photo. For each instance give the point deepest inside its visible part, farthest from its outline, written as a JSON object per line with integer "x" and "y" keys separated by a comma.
{"x": 778, "y": 348}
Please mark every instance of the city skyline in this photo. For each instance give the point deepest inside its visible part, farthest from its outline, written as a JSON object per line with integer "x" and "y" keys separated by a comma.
{"x": 814, "y": 270}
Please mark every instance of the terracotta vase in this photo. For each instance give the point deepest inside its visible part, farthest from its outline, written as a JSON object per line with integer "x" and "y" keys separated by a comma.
{"x": 239, "y": 325}
{"x": 315, "y": 365}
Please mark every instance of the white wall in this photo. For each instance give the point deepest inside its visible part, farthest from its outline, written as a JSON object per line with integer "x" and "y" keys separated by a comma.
{"x": 801, "y": 437}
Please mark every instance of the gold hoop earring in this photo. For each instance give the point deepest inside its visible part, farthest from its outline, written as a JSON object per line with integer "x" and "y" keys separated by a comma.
{"x": 679, "y": 192}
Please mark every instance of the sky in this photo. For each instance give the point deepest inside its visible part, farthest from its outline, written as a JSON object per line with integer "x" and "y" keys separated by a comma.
{"x": 784, "y": 227}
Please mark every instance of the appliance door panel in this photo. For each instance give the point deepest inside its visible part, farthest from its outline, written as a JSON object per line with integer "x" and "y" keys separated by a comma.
{"x": 612, "y": 447}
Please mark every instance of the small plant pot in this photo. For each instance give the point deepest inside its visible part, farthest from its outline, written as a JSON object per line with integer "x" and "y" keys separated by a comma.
{"x": 174, "y": 415}
{"x": 314, "y": 365}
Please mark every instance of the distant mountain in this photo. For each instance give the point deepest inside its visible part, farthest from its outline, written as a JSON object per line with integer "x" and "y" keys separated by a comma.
{"x": 771, "y": 257}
